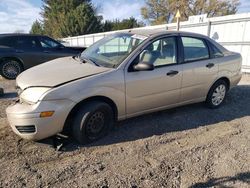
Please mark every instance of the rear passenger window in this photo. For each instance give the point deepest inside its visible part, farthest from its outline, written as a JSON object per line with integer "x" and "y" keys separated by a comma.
{"x": 194, "y": 49}
{"x": 6, "y": 41}
{"x": 26, "y": 43}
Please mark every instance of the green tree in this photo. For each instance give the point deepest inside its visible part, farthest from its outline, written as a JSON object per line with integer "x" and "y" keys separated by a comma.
{"x": 37, "y": 28}
{"x": 62, "y": 18}
{"x": 123, "y": 24}
{"x": 163, "y": 11}
{"x": 81, "y": 21}
{"x": 107, "y": 26}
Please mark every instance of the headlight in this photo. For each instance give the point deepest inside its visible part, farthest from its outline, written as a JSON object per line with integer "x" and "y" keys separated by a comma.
{"x": 33, "y": 94}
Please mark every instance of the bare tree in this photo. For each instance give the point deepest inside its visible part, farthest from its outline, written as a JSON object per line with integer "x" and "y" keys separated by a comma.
{"x": 163, "y": 11}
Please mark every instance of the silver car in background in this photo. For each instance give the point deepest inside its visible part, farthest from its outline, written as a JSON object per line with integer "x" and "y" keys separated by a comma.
{"x": 119, "y": 77}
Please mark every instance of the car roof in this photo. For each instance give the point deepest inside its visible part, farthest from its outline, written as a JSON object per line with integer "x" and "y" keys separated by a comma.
{"x": 17, "y": 34}
{"x": 152, "y": 32}
{"x": 145, "y": 32}
{"x": 157, "y": 33}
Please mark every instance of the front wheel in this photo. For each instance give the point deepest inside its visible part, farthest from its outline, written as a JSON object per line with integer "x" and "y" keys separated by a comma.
{"x": 10, "y": 69}
{"x": 217, "y": 94}
{"x": 92, "y": 122}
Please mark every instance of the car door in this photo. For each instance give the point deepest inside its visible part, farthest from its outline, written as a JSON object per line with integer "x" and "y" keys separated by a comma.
{"x": 28, "y": 49}
{"x": 199, "y": 69}
{"x": 159, "y": 88}
{"x": 52, "y": 49}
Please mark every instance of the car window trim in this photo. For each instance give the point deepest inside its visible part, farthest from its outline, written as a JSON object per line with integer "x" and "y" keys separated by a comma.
{"x": 182, "y": 46}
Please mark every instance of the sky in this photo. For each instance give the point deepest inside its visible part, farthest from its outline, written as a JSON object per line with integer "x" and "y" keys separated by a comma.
{"x": 18, "y": 15}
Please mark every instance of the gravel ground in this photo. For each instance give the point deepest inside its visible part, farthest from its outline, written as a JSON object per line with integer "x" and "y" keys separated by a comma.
{"x": 190, "y": 146}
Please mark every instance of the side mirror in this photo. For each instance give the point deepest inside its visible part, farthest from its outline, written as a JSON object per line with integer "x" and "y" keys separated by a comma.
{"x": 60, "y": 47}
{"x": 144, "y": 66}
{"x": 98, "y": 50}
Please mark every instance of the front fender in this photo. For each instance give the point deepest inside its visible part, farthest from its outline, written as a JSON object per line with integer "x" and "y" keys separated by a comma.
{"x": 109, "y": 84}
{"x": 78, "y": 95}
{"x": 117, "y": 96}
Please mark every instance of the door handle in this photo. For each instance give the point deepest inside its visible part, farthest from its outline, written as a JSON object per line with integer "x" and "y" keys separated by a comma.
{"x": 210, "y": 65}
{"x": 19, "y": 51}
{"x": 172, "y": 73}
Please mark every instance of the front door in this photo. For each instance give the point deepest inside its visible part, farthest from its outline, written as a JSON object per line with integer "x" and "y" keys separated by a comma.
{"x": 52, "y": 49}
{"x": 159, "y": 88}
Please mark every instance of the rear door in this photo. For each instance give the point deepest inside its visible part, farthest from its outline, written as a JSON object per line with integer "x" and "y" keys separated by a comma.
{"x": 6, "y": 46}
{"x": 6, "y": 41}
{"x": 199, "y": 68}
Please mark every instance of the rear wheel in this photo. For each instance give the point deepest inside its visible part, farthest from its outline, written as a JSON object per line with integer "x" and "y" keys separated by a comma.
{"x": 10, "y": 69}
{"x": 92, "y": 122}
{"x": 217, "y": 94}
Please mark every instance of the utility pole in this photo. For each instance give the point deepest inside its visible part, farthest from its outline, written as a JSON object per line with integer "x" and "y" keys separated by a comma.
{"x": 178, "y": 16}
{"x": 1, "y": 91}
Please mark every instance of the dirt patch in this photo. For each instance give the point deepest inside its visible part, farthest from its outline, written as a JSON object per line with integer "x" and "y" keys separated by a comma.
{"x": 190, "y": 146}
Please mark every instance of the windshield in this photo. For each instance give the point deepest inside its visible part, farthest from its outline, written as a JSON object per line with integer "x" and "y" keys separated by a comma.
{"x": 112, "y": 50}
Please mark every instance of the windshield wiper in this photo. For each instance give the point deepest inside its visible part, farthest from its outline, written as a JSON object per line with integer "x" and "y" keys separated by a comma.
{"x": 77, "y": 57}
{"x": 85, "y": 60}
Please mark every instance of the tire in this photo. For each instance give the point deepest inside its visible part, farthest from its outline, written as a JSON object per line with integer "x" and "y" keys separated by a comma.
{"x": 93, "y": 121}
{"x": 217, "y": 94}
{"x": 10, "y": 69}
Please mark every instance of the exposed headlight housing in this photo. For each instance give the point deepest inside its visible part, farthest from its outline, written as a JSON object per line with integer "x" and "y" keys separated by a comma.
{"x": 33, "y": 94}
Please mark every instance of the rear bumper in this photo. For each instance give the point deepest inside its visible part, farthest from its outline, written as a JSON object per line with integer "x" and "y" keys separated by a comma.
{"x": 26, "y": 122}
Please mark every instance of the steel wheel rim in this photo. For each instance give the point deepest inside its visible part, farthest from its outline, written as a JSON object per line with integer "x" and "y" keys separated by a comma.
{"x": 95, "y": 124}
{"x": 219, "y": 95}
{"x": 11, "y": 69}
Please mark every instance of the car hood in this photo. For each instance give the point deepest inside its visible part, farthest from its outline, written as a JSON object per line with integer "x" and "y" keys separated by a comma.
{"x": 57, "y": 72}
{"x": 76, "y": 48}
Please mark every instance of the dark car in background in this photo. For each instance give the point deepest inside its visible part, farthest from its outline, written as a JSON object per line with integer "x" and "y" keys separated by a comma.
{"x": 19, "y": 52}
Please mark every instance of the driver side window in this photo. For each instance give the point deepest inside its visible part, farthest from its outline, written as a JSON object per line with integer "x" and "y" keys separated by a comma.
{"x": 160, "y": 53}
{"x": 48, "y": 43}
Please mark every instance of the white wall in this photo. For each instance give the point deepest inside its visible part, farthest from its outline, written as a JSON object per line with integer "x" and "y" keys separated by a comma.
{"x": 233, "y": 32}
